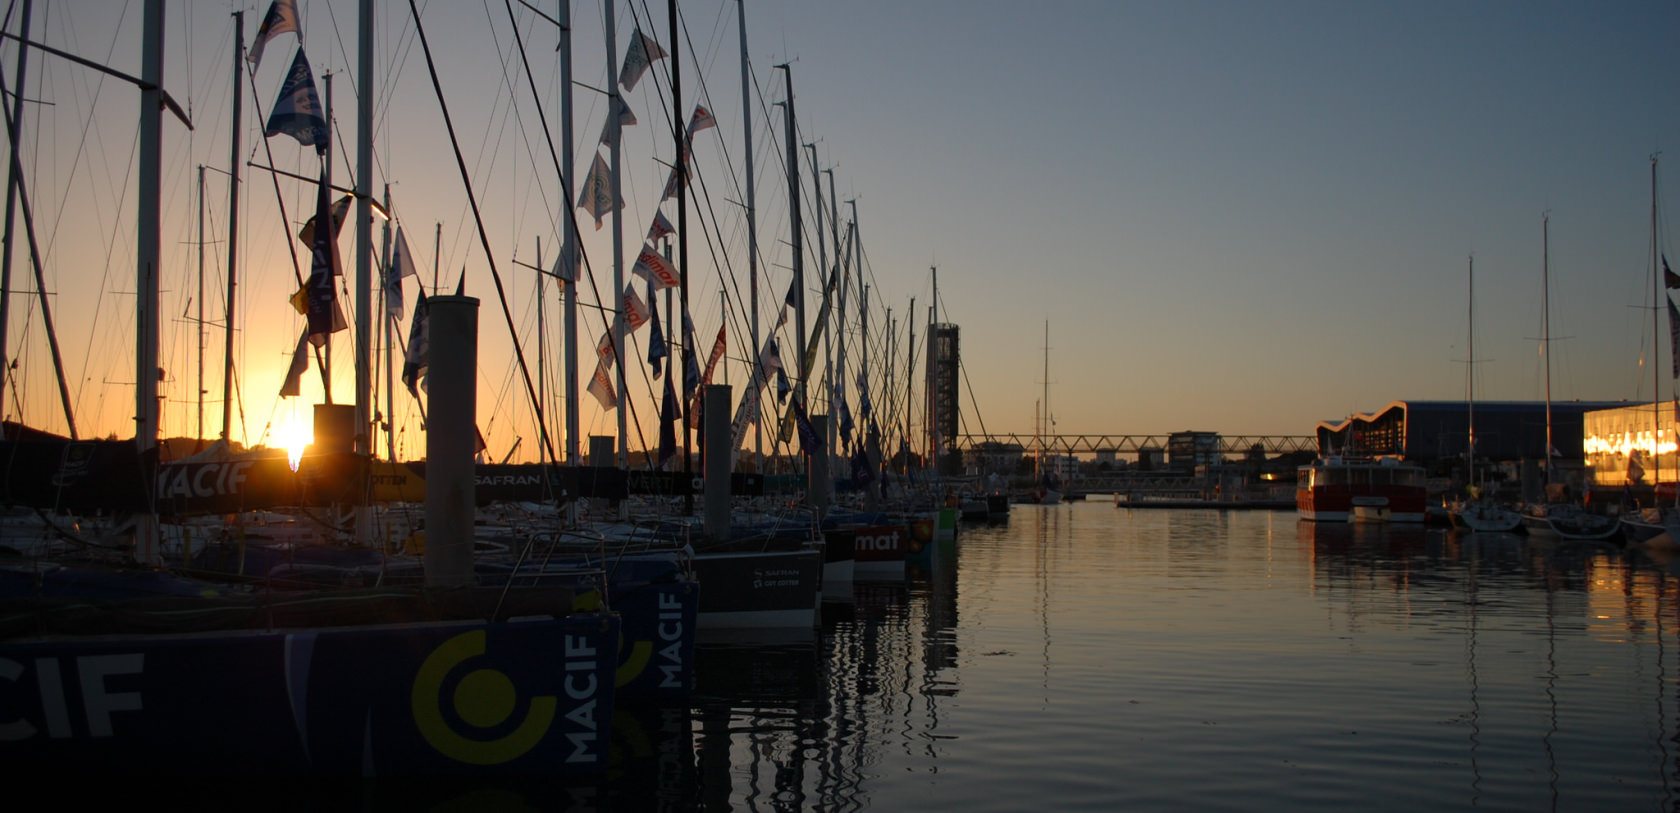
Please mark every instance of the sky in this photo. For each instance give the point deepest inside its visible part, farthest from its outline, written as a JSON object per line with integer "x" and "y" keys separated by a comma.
{"x": 1233, "y": 217}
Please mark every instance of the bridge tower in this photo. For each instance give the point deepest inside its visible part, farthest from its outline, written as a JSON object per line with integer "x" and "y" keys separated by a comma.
{"x": 942, "y": 411}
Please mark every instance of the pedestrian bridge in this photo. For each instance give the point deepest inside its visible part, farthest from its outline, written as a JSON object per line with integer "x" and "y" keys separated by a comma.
{"x": 1229, "y": 445}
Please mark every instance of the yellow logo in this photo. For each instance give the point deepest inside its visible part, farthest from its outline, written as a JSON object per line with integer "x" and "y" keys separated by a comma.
{"x": 483, "y": 699}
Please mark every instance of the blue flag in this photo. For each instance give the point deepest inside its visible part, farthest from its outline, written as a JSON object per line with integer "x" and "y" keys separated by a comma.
{"x": 323, "y": 313}
{"x": 658, "y": 350}
{"x": 297, "y": 112}
{"x": 668, "y": 415}
{"x": 861, "y": 473}
{"x": 809, "y": 443}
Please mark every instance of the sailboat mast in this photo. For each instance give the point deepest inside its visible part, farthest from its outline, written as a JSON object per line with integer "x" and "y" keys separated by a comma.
{"x": 568, "y": 248}
{"x": 148, "y": 222}
{"x": 1546, "y": 329}
{"x": 752, "y": 222}
{"x": 234, "y": 149}
{"x": 614, "y": 102}
{"x": 364, "y": 228}
{"x": 199, "y": 328}
{"x": 797, "y": 240}
{"x": 389, "y": 331}
{"x": 1656, "y": 352}
{"x": 680, "y": 130}
{"x": 11, "y": 194}
{"x": 1470, "y": 372}
{"x": 326, "y": 178}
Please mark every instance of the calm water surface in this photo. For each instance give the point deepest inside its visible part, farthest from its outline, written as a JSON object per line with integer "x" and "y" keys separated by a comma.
{"x": 1084, "y": 657}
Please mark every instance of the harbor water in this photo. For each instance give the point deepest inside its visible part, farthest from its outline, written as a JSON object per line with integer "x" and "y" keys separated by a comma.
{"x": 1088, "y": 657}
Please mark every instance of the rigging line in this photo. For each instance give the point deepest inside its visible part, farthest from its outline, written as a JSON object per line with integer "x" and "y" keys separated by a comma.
{"x": 548, "y": 135}
{"x": 484, "y": 238}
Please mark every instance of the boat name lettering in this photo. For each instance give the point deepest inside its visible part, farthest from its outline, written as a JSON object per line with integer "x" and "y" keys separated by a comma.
{"x": 203, "y": 480}
{"x": 580, "y": 657}
{"x": 882, "y": 541}
{"x": 670, "y": 631}
{"x": 97, "y": 700}
{"x": 508, "y": 480}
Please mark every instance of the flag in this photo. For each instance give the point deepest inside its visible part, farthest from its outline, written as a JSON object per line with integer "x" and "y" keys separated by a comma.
{"x": 324, "y": 315}
{"x": 1635, "y": 470}
{"x": 300, "y": 365}
{"x": 597, "y": 196}
{"x": 626, "y": 118}
{"x": 642, "y": 53}
{"x": 561, "y": 271}
{"x": 788, "y": 302}
{"x": 862, "y": 474}
{"x": 635, "y": 311}
{"x": 660, "y": 227}
{"x": 656, "y": 269}
{"x": 845, "y": 417}
{"x": 282, "y": 18}
{"x": 1674, "y": 337}
{"x": 668, "y": 415}
{"x": 863, "y": 395}
{"x": 1670, "y": 279}
{"x": 340, "y": 209}
{"x": 657, "y": 347}
{"x": 604, "y": 349}
{"x": 782, "y": 386}
{"x": 719, "y": 346}
{"x": 600, "y": 386}
{"x": 691, "y": 367}
{"x": 419, "y": 347}
{"x": 671, "y": 183}
{"x": 701, "y": 119}
{"x": 297, "y": 112}
{"x": 809, "y": 443}
{"x": 402, "y": 265}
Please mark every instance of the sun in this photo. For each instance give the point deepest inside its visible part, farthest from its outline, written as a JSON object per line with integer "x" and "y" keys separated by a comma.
{"x": 295, "y": 437}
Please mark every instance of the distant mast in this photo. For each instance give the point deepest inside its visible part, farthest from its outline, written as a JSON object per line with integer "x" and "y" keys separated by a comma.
{"x": 1656, "y": 351}
{"x": 752, "y": 227}
{"x": 233, "y": 221}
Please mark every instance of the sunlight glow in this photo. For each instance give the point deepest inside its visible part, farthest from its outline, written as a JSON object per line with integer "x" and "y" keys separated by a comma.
{"x": 295, "y": 437}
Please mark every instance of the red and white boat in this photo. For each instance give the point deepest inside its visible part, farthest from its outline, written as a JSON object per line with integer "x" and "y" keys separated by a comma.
{"x": 1344, "y": 489}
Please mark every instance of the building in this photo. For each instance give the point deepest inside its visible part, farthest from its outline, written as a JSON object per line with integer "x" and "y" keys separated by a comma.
{"x": 1436, "y": 433}
{"x": 1632, "y": 445}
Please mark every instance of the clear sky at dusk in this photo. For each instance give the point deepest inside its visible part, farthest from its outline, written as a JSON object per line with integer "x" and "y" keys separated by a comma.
{"x": 1238, "y": 217}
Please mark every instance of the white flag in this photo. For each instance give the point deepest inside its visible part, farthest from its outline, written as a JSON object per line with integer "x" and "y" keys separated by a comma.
{"x": 625, "y": 118}
{"x": 643, "y": 51}
{"x": 600, "y": 386}
{"x": 701, "y": 119}
{"x": 597, "y": 197}
{"x": 660, "y": 227}
{"x": 657, "y": 270}
{"x": 561, "y": 270}
{"x": 300, "y": 365}
{"x": 604, "y": 349}
{"x": 280, "y": 19}
{"x": 635, "y": 310}
{"x": 402, "y": 265}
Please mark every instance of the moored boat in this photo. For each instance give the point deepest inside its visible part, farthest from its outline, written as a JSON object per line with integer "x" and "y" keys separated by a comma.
{"x": 1333, "y": 489}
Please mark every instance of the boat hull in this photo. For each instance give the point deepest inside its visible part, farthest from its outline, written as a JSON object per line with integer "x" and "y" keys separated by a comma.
{"x": 774, "y": 589}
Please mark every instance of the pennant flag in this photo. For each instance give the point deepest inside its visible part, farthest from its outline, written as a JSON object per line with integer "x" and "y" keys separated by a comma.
{"x": 671, "y": 184}
{"x": 324, "y": 315}
{"x": 691, "y": 367}
{"x": 297, "y": 112}
{"x": 300, "y": 365}
{"x": 788, "y": 302}
{"x": 719, "y": 346}
{"x": 626, "y": 118}
{"x": 701, "y": 119}
{"x": 660, "y": 228}
{"x": 1674, "y": 337}
{"x": 604, "y": 349}
{"x": 561, "y": 270}
{"x": 643, "y": 51}
{"x": 340, "y": 210}
{"x": 862, "y": 472}
{"x": 419, "y": 348}
{"x": 1670, "y": 278}
{"x": 600, "y": 386}
{"x": 656, "y": 269}
{"x": 597, "y": 196}
{"x": 809, "y": 443}
{"x": 668, "y": 415}
{"x": 782, "y": 386}
{"x": 281, "y": 19}
{"x": 863, "y": 396}
{"x": 657, "y": 348}
{"x": 845, "y": 418}
{"x": 635, "y": 311}
{"x": 402, "y": 265}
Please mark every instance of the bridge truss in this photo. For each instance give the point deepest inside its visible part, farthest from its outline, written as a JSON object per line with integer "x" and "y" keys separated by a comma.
{"x": 1132, "y": 444}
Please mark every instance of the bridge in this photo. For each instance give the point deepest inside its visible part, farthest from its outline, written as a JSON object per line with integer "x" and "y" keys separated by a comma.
{"x": 1238, "y": 445}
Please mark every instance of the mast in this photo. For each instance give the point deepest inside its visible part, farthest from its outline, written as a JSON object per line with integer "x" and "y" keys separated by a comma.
{"x": 15, "y": 124}
{"x": 613, "y": 102}
{"x": 1656, "y": 352}
{"x": 389, "y": 331}
{"x": 1470, "y": 381}
{"x": 147, "y": 225}
{"x": 680, "y": 130}
{"x": 233, "y": 220}
{"x": 364, "y": 229}
{"x": 326, "y": 178}
{"x": 752, "y": 224}
{"x": 823, "y": 275}
{"x": 199, "y": 331}
{"x": 568, "y": 247}
{"x": 1546, "y": 330}
{"x": 797, "y": 239}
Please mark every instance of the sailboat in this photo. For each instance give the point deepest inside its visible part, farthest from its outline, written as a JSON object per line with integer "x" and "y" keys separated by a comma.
{"x": 1049, "y": 490}
{"x": 1477, "y": 512}
{"x": 1553, "y": 517}
{"x": 225, "y": 679}
{"x": 1656, "y": 524}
